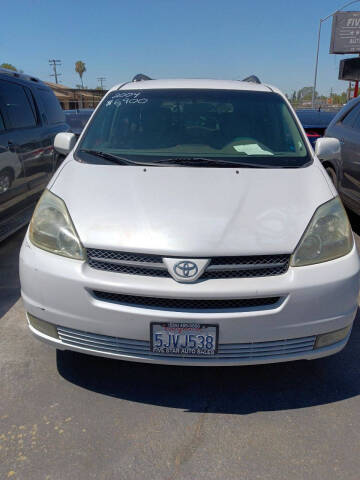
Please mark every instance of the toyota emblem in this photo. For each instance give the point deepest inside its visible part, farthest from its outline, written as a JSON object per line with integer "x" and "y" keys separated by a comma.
{"x": 185, "y": 269}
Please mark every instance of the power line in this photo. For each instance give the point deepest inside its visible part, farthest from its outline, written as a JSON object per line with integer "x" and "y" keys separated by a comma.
{"x": 55, "y": 63}
{"x": 101, "y": 80}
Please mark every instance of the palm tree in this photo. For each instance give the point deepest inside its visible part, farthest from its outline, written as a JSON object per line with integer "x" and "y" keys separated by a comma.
{"x": 80, "y": 69}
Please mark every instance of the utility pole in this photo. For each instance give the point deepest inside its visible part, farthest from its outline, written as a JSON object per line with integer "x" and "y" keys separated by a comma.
{"x": 54, "y": 64}
{"x": 101, "y": 80}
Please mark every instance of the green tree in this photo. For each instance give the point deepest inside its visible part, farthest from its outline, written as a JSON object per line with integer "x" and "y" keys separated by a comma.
{"x": 305, "y": 93}
{"x": 80, "y": 68}
{"x": 339, "y": 99}
{"x": 8, "y": 66}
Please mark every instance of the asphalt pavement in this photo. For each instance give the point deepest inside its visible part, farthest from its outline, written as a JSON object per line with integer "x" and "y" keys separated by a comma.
{"x": 70, "y": 416}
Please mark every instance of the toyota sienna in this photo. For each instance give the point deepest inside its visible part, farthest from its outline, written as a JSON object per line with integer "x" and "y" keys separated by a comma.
{"x": 191, "y": 223}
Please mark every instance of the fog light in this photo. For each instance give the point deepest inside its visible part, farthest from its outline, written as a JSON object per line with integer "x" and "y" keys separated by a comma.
{"x": 44, "y": 327}
{"x": 333, "y": 337}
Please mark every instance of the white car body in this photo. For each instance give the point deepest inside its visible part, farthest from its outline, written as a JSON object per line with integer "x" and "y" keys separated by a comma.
{"x": 191, "y": 213}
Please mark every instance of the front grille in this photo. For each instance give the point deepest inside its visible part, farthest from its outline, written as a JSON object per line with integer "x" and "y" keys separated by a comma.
{"x": 246, "y": 267}
{"x": 226, "y": 351}
{"x": 124, "y": 256}
{"x": 185, "y": 303}
{"x": 219, "y": 267}
{"x": 130, "y": 270}
{"x": 125, "y": 262}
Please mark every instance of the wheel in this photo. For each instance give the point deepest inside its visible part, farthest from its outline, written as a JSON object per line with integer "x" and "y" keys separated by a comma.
{"x": 332, "y": 174}
{"x": 6, "y": 179}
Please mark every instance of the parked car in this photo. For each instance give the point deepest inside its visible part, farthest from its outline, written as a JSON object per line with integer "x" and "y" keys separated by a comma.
{"x": 315, "y": 122}
{"x": 344, "y": 168}
{"x": 30, "y": 117}
{"x": 192, "y": 224}
{"x": 77, "y": 119}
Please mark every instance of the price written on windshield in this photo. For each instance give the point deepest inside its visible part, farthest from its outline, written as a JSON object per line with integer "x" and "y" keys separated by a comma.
{"x": 126, "y": 98}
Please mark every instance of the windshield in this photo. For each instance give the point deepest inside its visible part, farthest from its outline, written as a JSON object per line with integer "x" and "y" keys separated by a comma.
{"x": 153, "y": 125}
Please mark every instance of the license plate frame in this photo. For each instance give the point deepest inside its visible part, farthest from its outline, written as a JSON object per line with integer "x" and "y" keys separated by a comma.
{"x": 191, "y": 328}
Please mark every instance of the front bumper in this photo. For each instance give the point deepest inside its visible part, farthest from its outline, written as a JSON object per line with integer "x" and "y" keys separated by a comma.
{"x": 314, "y": 300}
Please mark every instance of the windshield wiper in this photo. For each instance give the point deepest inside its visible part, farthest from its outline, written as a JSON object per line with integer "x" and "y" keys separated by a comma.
{"x": 114, "y": 158}
{"x": 191, "y": 161}
{"x": 176, "y": 161}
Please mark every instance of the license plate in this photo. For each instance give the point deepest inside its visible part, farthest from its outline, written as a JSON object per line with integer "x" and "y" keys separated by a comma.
{"x": 185, "y": 339}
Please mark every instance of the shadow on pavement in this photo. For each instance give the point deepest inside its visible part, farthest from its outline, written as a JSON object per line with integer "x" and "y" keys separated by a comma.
{"x": 9, "y": 271}
{"x": 239, "y": 390}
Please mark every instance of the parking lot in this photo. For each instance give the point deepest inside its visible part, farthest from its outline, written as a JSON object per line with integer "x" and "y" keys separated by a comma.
{"x": 68, "y": 416}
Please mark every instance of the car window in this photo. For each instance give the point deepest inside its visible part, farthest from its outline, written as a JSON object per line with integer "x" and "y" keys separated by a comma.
{"x": 51, "y": 106}
{"x": 17, "y": 105}
{"x": 350, "y": 118}
{"x": 232, "y": 124}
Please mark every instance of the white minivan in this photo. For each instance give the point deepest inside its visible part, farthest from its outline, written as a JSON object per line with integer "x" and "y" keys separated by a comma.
{"x": 192, "y": 224}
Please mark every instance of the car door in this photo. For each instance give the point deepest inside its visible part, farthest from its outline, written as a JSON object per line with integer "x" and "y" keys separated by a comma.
{"x": 26, "y": 132}
{"x": 348, "y": 132}
{"x": 13, "y": 184}
{"x": 53, "y": 120}
{"x": 351, "y": 164}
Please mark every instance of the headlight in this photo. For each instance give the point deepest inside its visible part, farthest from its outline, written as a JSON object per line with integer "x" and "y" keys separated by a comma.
{"x": 51, "y": 228}
{"x": 328, "y": 236}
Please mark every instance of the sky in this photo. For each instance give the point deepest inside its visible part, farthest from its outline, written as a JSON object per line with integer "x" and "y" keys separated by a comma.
{"x": 117, "y": 39}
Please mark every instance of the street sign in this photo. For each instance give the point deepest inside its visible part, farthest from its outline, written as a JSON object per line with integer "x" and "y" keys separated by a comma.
{"x": 345, "y": 34}
{"x": 349, "y": 69}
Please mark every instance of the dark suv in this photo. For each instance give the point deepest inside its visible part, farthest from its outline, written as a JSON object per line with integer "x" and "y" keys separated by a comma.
{"x": 30, "y": 117}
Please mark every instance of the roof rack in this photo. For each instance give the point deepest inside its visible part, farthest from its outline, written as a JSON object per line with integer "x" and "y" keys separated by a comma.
{"x": 140, "y": 77}
{"x": 252, "y": 79}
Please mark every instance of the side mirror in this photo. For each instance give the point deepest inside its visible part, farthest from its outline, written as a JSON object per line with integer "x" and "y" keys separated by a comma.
{"x": 327, "y": 148}
{"x": 64, "y": 142}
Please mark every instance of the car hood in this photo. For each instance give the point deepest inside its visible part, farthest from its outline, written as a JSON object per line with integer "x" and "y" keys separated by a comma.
{"x": 191, "y": 211}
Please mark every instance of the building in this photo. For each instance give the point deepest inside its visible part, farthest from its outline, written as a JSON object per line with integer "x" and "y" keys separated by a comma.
{"x": 72, "y": 98}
